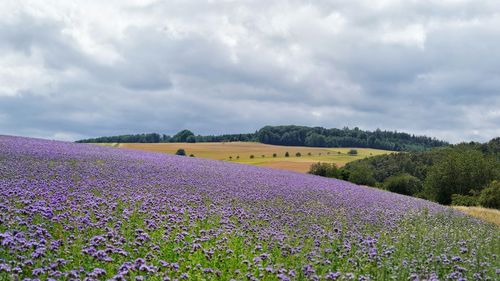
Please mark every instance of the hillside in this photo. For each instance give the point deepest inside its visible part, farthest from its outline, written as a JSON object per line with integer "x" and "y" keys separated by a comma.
{"x": 457, "y": 174}
{"x": 75, "y": 211}
{"x": 295, "y": 136}
{"x": 259, "y": 154}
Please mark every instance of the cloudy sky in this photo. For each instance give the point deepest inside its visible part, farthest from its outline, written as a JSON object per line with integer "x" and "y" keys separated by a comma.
{"x": 76, "y": 69}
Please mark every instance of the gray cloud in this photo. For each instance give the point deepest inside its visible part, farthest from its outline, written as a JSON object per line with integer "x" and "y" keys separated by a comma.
{"x": 71, "y": 71}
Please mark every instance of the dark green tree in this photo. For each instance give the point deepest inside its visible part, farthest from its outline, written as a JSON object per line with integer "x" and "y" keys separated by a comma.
{"x": 182, "y": 136}
{"x": 490, "y": 196}
{"x": 459, "y": 172}
{"x": 403, "y": 184}
{"x": 361, "y": 174}
{"x": 329, "y": 170}
{"x": 180, "y": 152}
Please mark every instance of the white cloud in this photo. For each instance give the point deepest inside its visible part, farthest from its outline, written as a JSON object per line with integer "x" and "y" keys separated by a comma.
{"x": 89, "y": 68}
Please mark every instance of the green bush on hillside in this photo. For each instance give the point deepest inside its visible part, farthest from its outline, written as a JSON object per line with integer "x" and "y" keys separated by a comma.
{"x": 361, "y": 174}
{"x": 464, "y": 200}
{"x": 329, "y": 170}
{"x": 403, "y": 184}
{"x": 490, "y": 196}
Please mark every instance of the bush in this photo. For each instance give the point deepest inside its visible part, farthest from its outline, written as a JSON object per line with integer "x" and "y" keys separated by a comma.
{"x": 274, "y": 155}
{"x": 298, "y": 154}
{"x": 362, "y": 174}
{"x": 329, "y": 170}
{"x": 490, "y": 196}
{"x": 309, "y": 154}
{"x": 403, "y": 184}
{"x": 252, "y": 156}
{"x": 180, "y": 152}
{"x": 191, "y": 155}
{"x": 353, "y": 152}
{"x": 287, "y": 154}
{"x": 463, "y": 200}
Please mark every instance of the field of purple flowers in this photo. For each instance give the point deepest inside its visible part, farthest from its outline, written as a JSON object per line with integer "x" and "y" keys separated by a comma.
{"x": 82, "y": 212}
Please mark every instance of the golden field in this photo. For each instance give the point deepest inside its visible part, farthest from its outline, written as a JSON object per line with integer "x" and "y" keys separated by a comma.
{"x": 490, "y": 215}
{"x": 240, "y": 152}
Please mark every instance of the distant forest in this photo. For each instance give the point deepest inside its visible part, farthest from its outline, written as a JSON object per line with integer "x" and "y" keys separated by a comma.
{"x": 292, "y": 135}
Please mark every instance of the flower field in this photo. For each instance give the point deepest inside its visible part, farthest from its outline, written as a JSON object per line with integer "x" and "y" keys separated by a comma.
{"x": 83, "y": 212}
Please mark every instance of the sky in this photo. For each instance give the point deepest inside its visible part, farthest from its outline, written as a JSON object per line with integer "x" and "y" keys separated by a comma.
{"x": 79, "y": 69}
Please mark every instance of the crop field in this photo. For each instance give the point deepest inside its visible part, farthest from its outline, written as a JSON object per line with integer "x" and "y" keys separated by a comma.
{"x": 240, "y": 152}
{"x": 491, "y": 215}
{"x": 85, "y": 212}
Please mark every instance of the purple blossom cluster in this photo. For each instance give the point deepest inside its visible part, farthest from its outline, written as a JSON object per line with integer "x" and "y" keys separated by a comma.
{"x": 83, "y": 212}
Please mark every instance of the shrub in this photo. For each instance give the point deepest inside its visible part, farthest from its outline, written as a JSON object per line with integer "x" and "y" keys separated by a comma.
{"x": 237, "y": 157}
{"x": 298, "y": 154}
{"x": 180, "y": 152}
{"x": 309, "y": 154}
{"x": 352, "y": 152}
{"x": 252, "y": 156}
{"x": 274, "y": 155}
{"x": 403, "y": 184}
{"x": 362, "y": 174}
{"x": 263, "y": 156}
{"x": 490, "y": 196}
{"x": 191, "y": 155}
{"x": 287, "y": 154}
{"x": 463, "y": 200}
{"x": 329, "y": 170}
{"x": 230, "y": 157}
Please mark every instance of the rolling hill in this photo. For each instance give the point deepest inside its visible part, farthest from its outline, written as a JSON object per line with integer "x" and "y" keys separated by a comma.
{"x": 76, "y": 211}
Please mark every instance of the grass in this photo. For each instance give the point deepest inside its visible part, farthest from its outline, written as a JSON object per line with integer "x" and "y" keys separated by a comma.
{"x": 241, "y": 152}
{"x": 489, "y": 215}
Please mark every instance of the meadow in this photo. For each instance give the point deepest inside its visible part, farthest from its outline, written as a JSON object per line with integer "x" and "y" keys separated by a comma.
{"x": 241, "y": 152}
{"x": 84, "y": 212}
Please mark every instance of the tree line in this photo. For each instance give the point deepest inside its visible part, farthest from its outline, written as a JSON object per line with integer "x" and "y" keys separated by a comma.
{"x": 182, "y": 136}
{"x": 295, "y": 136}
{"x": 464, "y": 174}
{"x": 346, "y": 137}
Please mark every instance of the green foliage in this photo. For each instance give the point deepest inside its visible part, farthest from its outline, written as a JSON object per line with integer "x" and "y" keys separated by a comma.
{"x": 464, "y": 200}
{"x": 275, "y": 155}
{"x": 459, "y": 172}
{"x": 329, "y": 170}
{"x": 352, "y": 152}
{"x": 191, "y": 139}
{"x": 138, "y": 138}
{"x": 287, "y": 154}
{"x": 180, "y": 152}
{"x": 321, "y": 137}
{"x": 490, "y": 196}
{"x": 362, "y": 174}
{"x": 183, "y": 136}
{"x": 403, "y": 184}
{"x": 191, "y": 155}
{"x": 296, "y": 136}
{"x": 298, "y": 154}
{"x": 252, "y": 156}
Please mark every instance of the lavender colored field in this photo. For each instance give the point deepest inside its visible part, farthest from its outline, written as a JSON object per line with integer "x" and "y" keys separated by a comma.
{"x": 75, "y": 211}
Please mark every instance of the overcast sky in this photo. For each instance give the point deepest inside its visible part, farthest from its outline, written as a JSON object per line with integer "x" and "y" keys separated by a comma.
{"x": 77, "y": 69}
